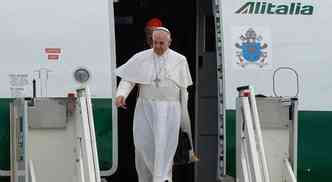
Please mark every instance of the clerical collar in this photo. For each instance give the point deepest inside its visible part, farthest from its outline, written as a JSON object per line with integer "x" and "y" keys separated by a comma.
{"x": 160, "y": 56}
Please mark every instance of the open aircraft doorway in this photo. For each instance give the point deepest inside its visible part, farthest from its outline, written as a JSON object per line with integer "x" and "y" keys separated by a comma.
{"x": 181, "y": 18}
{"x": 192, "y": 26}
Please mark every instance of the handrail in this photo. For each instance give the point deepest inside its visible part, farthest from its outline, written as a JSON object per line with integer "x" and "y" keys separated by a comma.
{"x": 289, "y": 171}
{"x": 88, "y": 164}
{"x": 257, "y": 129}
{"x": 252, "y": 155}
{"x": 18, "y": 140}
{"x": 32, "y": 174}
{"x": 251, "y": 147}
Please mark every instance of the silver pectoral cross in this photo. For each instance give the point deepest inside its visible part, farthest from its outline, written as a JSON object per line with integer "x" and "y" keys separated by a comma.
{"x": 157, "y": 81}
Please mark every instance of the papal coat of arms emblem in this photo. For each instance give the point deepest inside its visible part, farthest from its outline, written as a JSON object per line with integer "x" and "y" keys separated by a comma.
{"x": 252, "y": 50}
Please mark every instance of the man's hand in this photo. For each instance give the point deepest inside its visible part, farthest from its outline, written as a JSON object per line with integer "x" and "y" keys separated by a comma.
{"x": 121, "y": 102}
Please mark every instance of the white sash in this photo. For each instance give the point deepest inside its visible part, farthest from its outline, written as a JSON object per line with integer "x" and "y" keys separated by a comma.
{"x": 159, "y": 93}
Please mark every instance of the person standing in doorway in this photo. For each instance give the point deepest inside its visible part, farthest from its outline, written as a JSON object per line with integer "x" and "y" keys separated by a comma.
{"x": 163, "y": 77}
{"x": 150, "y": 25}
{"x": 185, "y": 152}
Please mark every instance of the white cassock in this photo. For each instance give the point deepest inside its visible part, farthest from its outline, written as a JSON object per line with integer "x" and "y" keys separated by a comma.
{"x": 160, "y": 109}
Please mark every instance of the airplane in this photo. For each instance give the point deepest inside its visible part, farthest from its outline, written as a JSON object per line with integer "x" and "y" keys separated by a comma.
{"x": 51, "y": 48}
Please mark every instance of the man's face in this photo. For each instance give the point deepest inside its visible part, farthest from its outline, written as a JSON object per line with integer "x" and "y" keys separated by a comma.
{"x": 148, "y": 36}
{"x": 161, "y": 42}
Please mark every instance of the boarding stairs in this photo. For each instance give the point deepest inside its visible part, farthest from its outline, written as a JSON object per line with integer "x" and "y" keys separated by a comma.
{"x": 265, "y": 149}
{"x": 53, "y": 139}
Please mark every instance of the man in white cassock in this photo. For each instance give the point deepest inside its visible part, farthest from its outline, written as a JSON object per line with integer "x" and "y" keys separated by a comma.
{"x": 163, "y": 77}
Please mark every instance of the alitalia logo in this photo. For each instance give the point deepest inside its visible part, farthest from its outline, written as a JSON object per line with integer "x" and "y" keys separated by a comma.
{"x": 278, "y": 9}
